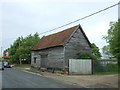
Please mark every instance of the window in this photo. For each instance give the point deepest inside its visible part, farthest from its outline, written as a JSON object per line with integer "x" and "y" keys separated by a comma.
{"x": 35, "y": 59}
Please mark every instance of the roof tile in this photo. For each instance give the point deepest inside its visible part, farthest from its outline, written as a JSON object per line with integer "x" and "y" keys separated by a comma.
{"x": 53, "y": 40}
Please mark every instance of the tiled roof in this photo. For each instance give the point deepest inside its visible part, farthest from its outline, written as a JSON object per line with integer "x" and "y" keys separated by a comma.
{"x": 53, "y": 40}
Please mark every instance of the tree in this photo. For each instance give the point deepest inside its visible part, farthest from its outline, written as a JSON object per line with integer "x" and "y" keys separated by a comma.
{"x": 95, "y": 51}
{"x": 118, "y": 53}
{"x": 13, "y": 49}
{"x": 113, "y": 39}
{"x": 106, "y": 51}
{"x": 21, "y": 48}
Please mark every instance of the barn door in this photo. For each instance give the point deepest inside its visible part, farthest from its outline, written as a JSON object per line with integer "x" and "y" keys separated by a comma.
{"x": 43, "y": 61}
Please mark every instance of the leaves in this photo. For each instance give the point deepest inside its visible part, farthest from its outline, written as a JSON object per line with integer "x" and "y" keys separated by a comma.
{"x": 112, "y": 38}
{"x": 106, "y": 51}
{"x": 93, "y": 54}
{"x": 21, "y": 48}
{"x": 86, "y": 55}
{"x": 95, "y": 51}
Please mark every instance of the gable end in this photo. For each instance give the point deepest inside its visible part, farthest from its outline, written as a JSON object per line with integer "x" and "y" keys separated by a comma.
{"x": 79, "y": 27}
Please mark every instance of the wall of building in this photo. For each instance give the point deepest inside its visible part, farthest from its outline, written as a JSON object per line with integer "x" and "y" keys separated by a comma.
{"x": 55, "y": 57}
{"x": 38, "y": 59}
{"x": 76, "y": 44}
{"x": 59, "y": 56}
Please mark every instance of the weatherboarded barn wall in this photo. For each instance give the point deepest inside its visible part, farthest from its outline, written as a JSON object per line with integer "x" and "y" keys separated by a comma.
{"x": 52, "y": 57}
{"x": 76, "y": 44}
{"x": 54, "y": 51}
{"x": 35, "y": 55}
{"x": 79, "y": 66}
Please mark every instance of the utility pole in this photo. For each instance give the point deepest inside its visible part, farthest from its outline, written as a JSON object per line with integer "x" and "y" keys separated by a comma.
{"x": 1, "y": 52}
{"x": 19, "y": 55}
{"x": 1, "y": 55}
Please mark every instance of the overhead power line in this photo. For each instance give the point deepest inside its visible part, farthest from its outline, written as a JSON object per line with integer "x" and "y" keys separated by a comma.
{"x": 81, "y": 18}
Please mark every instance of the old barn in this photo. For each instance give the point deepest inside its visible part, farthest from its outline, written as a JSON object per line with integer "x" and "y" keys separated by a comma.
{"x": 55, "y": 50}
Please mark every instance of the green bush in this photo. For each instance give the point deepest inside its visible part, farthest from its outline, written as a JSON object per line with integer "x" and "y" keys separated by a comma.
{"x": 112, "y": 67}
{"x": 86, "y": 55}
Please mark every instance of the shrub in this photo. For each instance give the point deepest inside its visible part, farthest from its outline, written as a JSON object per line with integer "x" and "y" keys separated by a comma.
{"x": 113, "y": 67}
{"x": 86, "y": 55}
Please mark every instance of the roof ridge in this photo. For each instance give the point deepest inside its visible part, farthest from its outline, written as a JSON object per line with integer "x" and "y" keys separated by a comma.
{"x": 61, "y": 31}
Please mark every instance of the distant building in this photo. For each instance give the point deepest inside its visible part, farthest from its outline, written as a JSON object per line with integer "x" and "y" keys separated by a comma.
{"x": 5, "y": 52}
{"x": 54, "y": 51}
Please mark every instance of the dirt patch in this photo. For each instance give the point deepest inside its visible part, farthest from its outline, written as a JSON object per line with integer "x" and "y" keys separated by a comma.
{"x": 111, "y": 80}
{"x": 86, "y": 81}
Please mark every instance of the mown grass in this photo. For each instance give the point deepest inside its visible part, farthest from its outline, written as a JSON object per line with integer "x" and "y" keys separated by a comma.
{"x": 23, "y": 65}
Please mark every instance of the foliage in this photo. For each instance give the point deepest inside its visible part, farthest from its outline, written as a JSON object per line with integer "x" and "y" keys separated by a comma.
{"x": 93, "y": 54}
{"x": 112, "y": 67}
{"x": 86, "y": 55}
{"x": 106, "y": 51}
{"x": 7, "y": 60}
{"x": 21, "y": 48}
{"x": 95, "y": 51}
{"x": 113, "y": 38}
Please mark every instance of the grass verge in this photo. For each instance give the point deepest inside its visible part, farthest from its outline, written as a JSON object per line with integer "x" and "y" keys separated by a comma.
{"x": 22, "y": 65}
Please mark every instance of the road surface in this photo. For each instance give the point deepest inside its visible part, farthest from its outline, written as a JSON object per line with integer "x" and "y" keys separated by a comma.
{"x": 16, "y": 78}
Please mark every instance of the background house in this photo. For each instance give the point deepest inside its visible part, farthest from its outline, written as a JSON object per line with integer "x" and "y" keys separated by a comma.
{"x": 54, "y": 51}
{"x": 6, "y": 57}
{"x": 5, "y": 52}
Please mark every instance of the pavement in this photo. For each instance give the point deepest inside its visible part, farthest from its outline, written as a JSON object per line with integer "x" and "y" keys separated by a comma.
{"x": 82, "y": 81}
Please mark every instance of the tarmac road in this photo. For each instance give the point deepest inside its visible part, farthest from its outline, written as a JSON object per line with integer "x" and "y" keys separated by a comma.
{"x": 16, "y": 78}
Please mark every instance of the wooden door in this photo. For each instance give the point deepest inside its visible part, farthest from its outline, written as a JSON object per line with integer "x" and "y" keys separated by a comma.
{"x": 43, "y": 61}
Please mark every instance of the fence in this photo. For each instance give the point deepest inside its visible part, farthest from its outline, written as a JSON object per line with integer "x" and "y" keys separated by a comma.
{"x": 87, "y": 66}
{"x": 100, "y": 66}
{"x": 80, "y": 66}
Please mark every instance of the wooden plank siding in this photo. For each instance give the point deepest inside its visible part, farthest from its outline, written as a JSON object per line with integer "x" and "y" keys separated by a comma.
{"x": 64, "y": 45}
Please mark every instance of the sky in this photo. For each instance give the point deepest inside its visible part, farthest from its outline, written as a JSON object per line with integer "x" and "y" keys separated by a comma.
{"x": 24, "y": 17}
